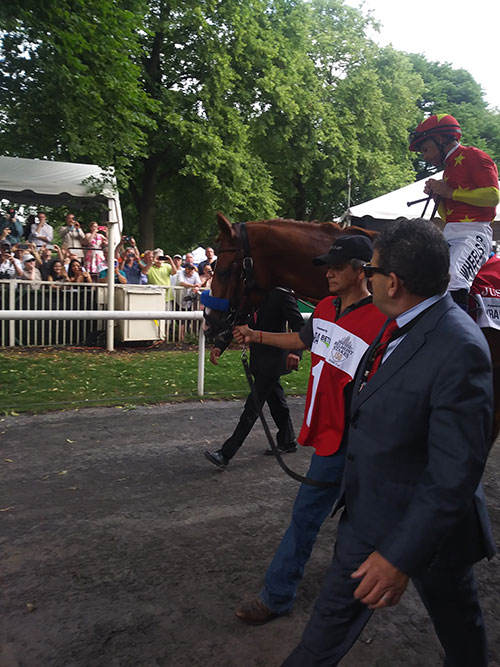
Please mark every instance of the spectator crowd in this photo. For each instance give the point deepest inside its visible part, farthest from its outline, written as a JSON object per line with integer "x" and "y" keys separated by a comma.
{"x": 28, "y": 252}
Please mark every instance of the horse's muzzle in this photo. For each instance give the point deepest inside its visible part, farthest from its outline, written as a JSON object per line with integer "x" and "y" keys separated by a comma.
{"x": 215, "y": 322}
{"x": 216, "y": 313}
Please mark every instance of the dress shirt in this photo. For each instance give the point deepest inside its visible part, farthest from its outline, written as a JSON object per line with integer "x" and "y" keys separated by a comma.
{"x": 408, "y": 316}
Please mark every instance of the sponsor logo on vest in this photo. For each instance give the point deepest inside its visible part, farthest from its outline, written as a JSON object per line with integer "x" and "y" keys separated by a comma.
{"x": 320, "y": 337}
{"x": 490, "y": 291}
{"x": 342, "y": 349}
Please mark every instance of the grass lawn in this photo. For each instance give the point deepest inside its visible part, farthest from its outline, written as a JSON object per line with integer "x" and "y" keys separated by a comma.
{"x": 37, "y": 380}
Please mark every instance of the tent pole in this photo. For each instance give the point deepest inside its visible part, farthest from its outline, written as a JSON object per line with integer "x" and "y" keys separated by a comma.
{"x": 112, "y": 243}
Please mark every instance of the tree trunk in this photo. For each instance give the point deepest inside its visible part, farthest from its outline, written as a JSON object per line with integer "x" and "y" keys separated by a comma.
{"x": 300, "y": 198}
{"x": 147, "y": 203}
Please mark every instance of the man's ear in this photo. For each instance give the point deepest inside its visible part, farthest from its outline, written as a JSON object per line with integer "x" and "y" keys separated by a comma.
{"x": 395, "y": 284}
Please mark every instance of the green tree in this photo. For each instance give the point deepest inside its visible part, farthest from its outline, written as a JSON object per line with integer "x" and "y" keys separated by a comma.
{"x": 196, "y": 62}
{"x": 455, "y": 91}
{"x": 70, "y": 87}
{"x": 350, "y": 105}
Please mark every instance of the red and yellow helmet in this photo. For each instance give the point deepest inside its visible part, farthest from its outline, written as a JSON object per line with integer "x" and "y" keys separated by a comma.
{"x": 441, "y": 123}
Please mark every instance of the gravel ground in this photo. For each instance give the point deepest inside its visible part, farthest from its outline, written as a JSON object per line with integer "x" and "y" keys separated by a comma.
{"x": 123, "y": 547}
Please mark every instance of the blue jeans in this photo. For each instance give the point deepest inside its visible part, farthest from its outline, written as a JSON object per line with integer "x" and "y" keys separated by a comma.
{"x": 312, "y": 505}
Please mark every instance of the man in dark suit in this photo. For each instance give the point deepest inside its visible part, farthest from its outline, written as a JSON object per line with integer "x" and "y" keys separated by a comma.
{"x": 267, "y": 365}
{"x": 417, "y": 445}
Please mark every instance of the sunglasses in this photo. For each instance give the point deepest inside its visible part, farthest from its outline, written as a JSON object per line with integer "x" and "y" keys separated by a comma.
{"x": 370, "y": 270}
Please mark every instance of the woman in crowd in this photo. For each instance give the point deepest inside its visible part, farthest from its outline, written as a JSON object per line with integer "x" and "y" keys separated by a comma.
{"x": 77, "y": 274}
{"x": 206, "y": 277}
{"x": 57, "y": 274}
{"x": 96, "y": 242}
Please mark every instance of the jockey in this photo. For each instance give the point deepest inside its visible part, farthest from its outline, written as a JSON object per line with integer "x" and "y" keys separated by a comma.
{"x": 467, "y": 196}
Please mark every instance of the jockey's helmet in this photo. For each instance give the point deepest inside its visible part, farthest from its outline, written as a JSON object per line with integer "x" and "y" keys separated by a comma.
{"x": 437, "y": 124}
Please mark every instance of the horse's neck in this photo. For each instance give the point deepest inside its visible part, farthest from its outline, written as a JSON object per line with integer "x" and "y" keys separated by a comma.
{"x": 282, "y": 256}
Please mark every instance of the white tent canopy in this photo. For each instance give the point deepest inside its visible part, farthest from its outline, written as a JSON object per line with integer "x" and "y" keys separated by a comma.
{"x": 55, "y": 183}
{"x": 394, "y": 204}
{"x": 51, "y": 183}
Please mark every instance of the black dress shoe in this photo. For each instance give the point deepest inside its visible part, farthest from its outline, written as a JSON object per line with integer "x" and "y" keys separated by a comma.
{"x": 292, "y": 447}
{"x": 216, "y": 458}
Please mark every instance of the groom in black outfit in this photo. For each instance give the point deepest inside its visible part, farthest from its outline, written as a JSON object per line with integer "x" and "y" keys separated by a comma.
{"x": 267, "y": 365}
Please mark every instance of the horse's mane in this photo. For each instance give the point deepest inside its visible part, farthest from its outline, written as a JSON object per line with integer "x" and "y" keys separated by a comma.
{"x": 290, "y": 221}
{"x": 328, "y": 227}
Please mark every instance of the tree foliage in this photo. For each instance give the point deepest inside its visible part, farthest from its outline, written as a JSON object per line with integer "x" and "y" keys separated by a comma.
{"x": 454, "y": 91}
{"x": 257, "y": 108}
{"x": 70, "y": 88}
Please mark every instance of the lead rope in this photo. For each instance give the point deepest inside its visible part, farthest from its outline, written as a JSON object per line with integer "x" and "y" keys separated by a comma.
{"x": 275, "y": 449}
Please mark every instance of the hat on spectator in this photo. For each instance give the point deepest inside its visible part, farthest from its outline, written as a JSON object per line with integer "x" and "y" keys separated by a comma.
{"x": 346, "y": 248}
{"x": 5, "y": 243}
{"x": 177, "y": 256}
{"x": 158, "y": 252}
{"x": 28, "y": 258}
{"x": 189, "y": 266}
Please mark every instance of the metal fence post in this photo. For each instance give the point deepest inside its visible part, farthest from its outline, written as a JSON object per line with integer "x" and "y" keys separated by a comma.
{"x": 12, "y": 306}
{"x": 201, "y": 361}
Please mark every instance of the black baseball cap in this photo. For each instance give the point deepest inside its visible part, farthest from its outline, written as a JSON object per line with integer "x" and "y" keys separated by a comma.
{"x": 5, "y": 244}
{"x": 346, "y": 248}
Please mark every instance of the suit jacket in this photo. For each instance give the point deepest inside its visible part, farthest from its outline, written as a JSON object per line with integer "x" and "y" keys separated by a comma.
{"x": 278, "y": 309}
{"x": 418, "y": 442}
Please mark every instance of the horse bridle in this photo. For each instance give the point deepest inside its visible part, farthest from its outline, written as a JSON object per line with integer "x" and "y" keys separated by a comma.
{"x": 235, "y": 307}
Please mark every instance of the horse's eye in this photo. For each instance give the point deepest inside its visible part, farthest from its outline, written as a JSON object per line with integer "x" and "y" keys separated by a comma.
{"x": 224, "y": 273}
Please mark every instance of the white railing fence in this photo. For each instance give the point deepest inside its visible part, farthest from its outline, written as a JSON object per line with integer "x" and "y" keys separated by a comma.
{"x": 65, "y": 314}
{"x": 71, "y": 298}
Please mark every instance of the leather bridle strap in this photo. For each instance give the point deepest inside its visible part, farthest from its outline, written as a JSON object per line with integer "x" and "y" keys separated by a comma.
{"x": 275, "y": 449}
{"x": 247, "y": 266}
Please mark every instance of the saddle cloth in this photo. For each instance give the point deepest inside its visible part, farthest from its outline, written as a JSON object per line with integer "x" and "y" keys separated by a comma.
{"x": 484, "y": 298}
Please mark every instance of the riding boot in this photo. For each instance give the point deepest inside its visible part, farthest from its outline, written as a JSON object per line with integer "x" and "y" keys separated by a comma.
{"x": 461, "y": 298}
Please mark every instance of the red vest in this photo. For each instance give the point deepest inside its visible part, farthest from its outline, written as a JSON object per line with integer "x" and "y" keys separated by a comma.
{"x": 335, "y": 354}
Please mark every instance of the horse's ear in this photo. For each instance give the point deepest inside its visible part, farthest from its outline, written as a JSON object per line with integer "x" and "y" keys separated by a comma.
{"x": 225, "y": 227}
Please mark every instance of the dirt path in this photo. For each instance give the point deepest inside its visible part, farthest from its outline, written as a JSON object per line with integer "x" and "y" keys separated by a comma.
{"x": 134, "y": 550}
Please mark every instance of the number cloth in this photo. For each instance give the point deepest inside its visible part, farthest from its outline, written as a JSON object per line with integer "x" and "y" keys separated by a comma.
{"x": 484, "y": 301}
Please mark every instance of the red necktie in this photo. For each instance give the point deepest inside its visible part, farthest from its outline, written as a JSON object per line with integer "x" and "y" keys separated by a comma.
{"x": 382, "y": 346}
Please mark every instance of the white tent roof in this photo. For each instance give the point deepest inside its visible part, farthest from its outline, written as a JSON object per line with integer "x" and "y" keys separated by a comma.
{"x": 55, "y": 183}
{"x": 394, "y": 204}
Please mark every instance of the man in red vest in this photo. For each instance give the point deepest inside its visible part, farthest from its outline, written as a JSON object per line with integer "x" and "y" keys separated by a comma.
{"x": 338, "y": 334}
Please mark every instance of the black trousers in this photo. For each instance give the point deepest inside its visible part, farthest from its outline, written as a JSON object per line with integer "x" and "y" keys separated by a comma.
{"x": 449, "y": 595}
{"x": 268, "y": 390}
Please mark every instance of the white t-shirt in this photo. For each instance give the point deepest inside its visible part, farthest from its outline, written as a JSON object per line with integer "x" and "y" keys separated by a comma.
{"x": 7, "y": 269}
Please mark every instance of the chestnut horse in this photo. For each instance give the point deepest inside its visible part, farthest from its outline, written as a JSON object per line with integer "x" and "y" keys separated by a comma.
{"x": 255, "y": 256}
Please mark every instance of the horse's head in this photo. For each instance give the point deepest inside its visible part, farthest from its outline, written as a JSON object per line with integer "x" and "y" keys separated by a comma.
{"x": 232, "y": 279}
{"x": 281, "y": 255}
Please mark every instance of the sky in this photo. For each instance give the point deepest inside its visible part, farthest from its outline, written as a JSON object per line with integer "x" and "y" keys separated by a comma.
{"x": 464, "y": 34}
